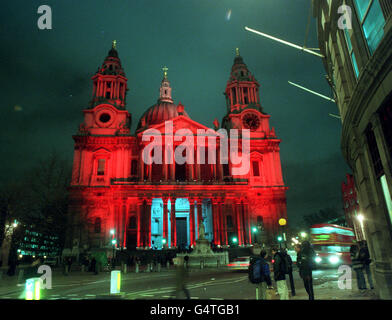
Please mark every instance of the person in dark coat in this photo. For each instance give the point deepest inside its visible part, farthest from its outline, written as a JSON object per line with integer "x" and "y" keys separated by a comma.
{"x": 280, "y": 274}
{"x": 289, "y": 262}
{"x": 305, "y": 263}
{"x": 94, "y": 265}
{"x": 357, "y": 266}
{"x": 364, "y": 256}
{"x": 266, "y": 282}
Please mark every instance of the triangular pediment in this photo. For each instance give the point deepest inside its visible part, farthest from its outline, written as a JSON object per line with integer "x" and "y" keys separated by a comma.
{"x": 181, "y": 122}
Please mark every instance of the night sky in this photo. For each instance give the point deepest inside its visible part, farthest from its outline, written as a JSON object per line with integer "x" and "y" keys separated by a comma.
{"x": 45, "y": 78}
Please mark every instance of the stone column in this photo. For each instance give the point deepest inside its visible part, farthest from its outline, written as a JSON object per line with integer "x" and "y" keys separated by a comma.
{"x": 165, "y": 220}
{"x": 192, "y": 221}
{"x": 173, "y": 222}
{"x": 215, "y": 219}
{"x": 148, "y": 222}
{"x": 237, "y": 211}
{"x": 199, "y": 215}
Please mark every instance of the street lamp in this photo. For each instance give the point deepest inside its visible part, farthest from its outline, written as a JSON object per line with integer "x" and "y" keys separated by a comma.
{"x": 360, "y": 218}
{"x": 304, "y": 234}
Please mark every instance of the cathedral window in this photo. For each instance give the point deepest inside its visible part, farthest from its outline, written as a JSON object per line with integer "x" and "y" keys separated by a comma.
{"x": 256, "y": 168}
{"x": 101, "y": 167}
{"x": 134, "y": 167}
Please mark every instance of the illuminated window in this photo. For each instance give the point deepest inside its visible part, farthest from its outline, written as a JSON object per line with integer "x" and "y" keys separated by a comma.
{"x": 387, "y": 196}
{"x": 101, "y": 167}
{"x": 374, "y": 153}
{"x": 372, "y": 21}
{"x": 351, "y": 52}
{"x": 256, "y": 169}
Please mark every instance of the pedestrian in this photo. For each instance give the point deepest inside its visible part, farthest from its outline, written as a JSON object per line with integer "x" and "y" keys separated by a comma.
{"x": 358, "y": 267}
{"x": 94, "y": 265}
{"x": 69, "y": 264}
{"x": 364, "y": 256}
{"x": 182, "y": 278}
{"x": 280, "y": 274}
{"x": 289, "y": 264}
{"x": 262, "y": 279}
{"x": 305, "y": 263}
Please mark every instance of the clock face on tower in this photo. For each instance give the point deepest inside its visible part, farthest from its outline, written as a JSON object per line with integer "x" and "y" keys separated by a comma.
{"x": 251, "y": 121}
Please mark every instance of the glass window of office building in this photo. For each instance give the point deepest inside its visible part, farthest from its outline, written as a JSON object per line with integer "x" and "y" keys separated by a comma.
{"x": 372, "y": 21}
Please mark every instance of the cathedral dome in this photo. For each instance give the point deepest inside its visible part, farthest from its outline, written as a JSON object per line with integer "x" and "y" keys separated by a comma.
{"x": 160, "y": 112}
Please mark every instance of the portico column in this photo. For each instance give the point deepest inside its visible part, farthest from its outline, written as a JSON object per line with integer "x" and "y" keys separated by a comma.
{"x": 173, "y": 222}
{"x": 138, "y": 205}
{"x": 165, "y": 222}
{"x": 247, "y": 219}
{"x": 237, "y": 210}
{"x": 215, "y": 219}
{"x": 148, "y": 222}
{"x": 199, "y": 215}
{"x": 192, "y": 220}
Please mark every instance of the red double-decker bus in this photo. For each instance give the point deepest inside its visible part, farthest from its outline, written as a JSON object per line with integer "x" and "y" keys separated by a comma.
{"x": 332, "y": 244}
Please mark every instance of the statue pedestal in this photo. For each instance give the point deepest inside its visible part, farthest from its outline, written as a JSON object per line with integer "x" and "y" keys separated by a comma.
{"x": 202, "y": 256}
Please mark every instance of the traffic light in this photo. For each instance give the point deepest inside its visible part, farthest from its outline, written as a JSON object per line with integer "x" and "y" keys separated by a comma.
{"x": 235, "y": 240}
{"x": 280, "y": 238}
{"x": 114, "y": 241}
{"x": 254, "y": 229}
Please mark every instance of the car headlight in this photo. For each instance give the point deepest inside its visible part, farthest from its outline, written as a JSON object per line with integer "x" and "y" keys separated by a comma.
{"x": 333, "y": 259}
{"x": 317, "y": 259}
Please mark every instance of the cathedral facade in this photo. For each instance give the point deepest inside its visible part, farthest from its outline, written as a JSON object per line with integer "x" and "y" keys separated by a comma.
{"x": 120, "y": 196}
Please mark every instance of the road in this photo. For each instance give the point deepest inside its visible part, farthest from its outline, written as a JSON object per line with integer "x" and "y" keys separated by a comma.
{"x": 213, "y": 284}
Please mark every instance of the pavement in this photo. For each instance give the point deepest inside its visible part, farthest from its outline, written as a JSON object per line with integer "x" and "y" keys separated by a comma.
{"x": 209, "y": 283}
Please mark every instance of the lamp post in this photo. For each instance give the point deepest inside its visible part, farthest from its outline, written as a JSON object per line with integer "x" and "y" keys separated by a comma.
{"x": 282, "y": 222}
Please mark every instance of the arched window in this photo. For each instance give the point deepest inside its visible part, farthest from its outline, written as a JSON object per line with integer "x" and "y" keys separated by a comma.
{"x": 97, "y": 225}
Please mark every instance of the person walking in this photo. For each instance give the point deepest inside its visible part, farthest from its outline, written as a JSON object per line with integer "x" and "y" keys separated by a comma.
{"x": 280, "y": 274}
{"x": 358, "y": 267}
{"x": 305, "y": 263}
{"x": 364, "y": 256}
{"x": 263, "y": 280}
{"x": 289, "y": 263}
{"x": 182, "y": 279}
{"x": 94, "y": 265}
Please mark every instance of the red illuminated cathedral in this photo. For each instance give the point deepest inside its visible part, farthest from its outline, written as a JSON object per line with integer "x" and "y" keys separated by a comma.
{"x": 116, "y": 198}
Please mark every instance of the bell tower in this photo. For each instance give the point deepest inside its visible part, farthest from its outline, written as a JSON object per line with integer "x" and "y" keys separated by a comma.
{"x": 242, "y": 89}
{"x": 110, "y": 83}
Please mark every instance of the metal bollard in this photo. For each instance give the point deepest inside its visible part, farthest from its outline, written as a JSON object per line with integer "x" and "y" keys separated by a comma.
{"x": 168, "y": 265}
{"x": 217, "y": 263}
{"x": 201, "y": 264}
{"x": 125, "y": 268}
{"x": 136, "y": 268}
{"x": 159, "y": 267}
{"x": 257, "y": 293}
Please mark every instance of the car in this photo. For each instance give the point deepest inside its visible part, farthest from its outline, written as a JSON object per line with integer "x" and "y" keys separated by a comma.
{"x": 240, "y": 263}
